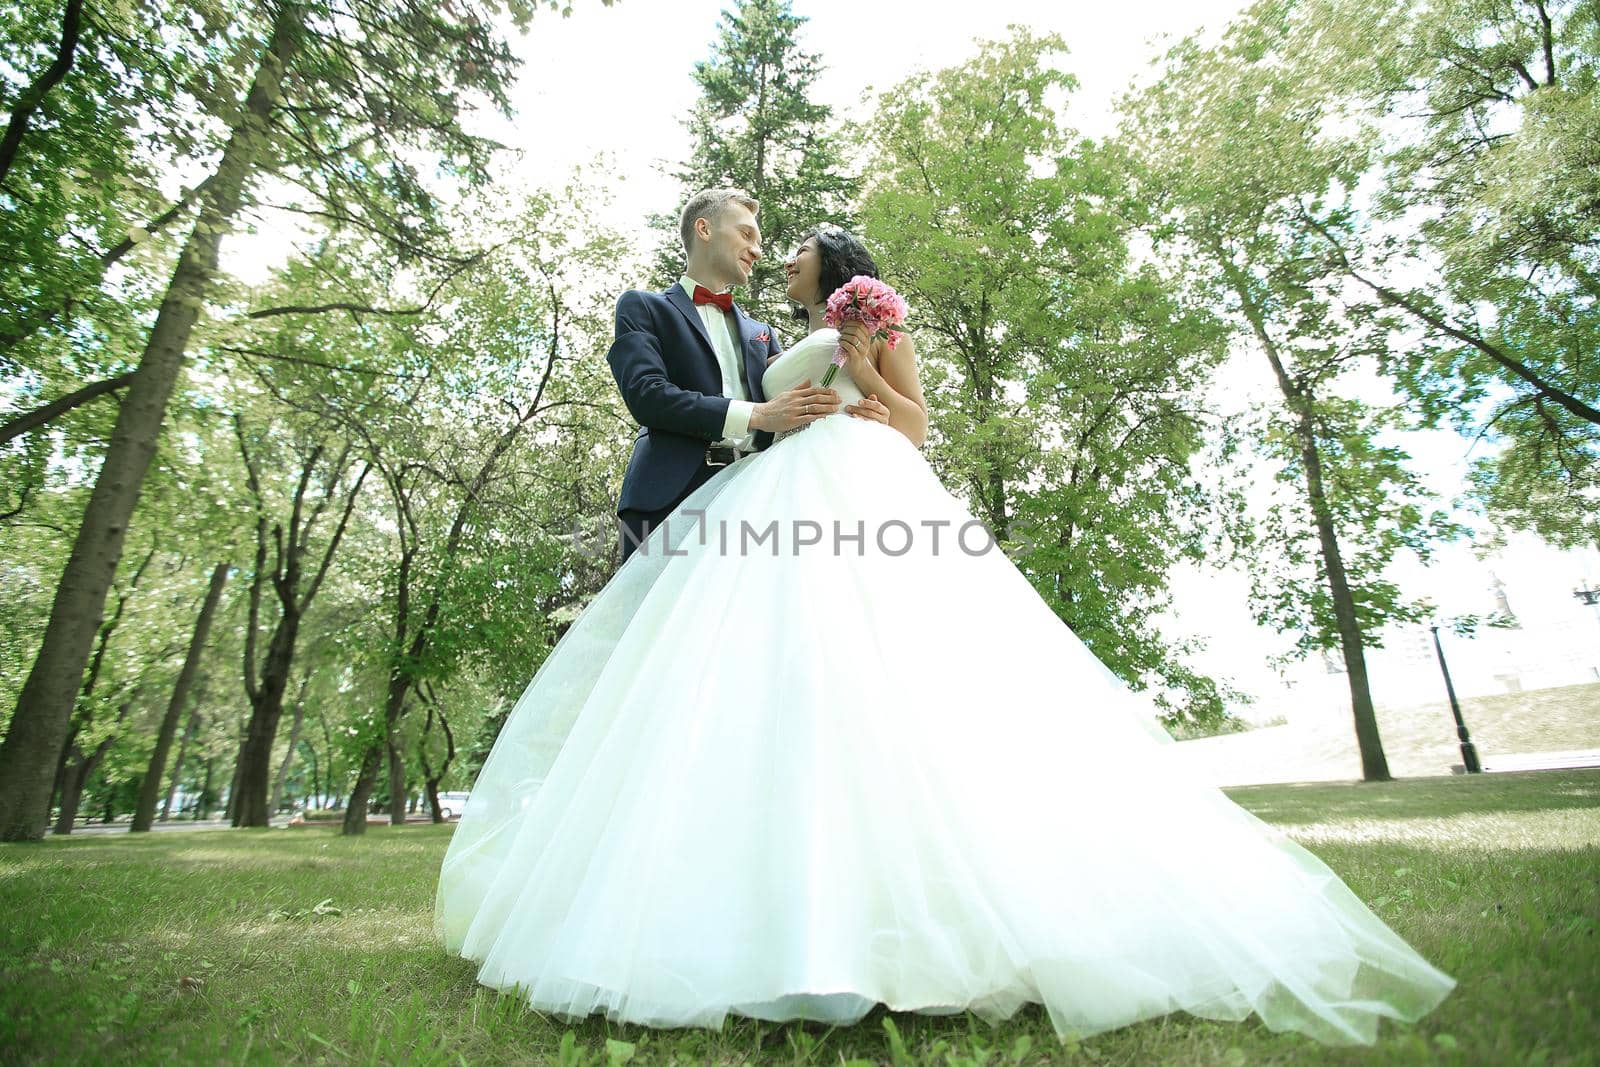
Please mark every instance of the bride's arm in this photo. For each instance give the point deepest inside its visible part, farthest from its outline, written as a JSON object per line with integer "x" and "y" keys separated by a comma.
{"x": 892, "y": 375}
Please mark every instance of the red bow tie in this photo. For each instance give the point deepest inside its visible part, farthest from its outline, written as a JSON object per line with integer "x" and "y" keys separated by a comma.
{"x": 702, "y": 295}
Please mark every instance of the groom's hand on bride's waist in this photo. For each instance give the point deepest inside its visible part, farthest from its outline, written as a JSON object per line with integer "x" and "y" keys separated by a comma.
{"x": 793, "y": 408}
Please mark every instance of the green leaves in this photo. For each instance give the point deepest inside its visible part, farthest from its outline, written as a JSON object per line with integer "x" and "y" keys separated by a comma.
{"x": 1485, "y": 222}
{"x": 1063, "y": 377}
{"x": 756, "y": 127}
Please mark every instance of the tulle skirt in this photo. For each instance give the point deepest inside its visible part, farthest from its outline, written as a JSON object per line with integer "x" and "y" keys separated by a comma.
{"x": 778, "y": 770}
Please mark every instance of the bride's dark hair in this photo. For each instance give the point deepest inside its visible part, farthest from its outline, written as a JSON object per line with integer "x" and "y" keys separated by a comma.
{"x": 842, "y": 258}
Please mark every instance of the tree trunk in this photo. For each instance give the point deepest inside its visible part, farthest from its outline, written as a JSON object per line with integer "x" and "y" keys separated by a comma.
{"x": 44, "y": 707}
{"x": 1300, "y": 401}
{"x": 231, "y": 808}
{"x": 431, "y": 777}
{"x": 67, "y": 748}
{"x": 1374, "y": 765}
{"x": 330, "y": 761}
{"x": 266, "y": 695}
{"x": 432, "y": 786}
{"x": 397, "y": 778}
{"x": 397, "y": 786}
{"x": 317, "y": 798}
{"x": 144, "y": 814}
{"x": 202, "y": 806}
{"x": 71, "y": 795}
{"x": 177, "y": 765}
{"x": 355, "y": 809}
{"x": 255, "y": 755}
{"x": 372, "y": 759}
{"x": 80, "y": 769}
{"x": 294, "y": 739}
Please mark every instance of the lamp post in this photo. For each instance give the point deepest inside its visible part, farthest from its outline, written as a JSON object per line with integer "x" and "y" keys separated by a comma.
{"x": 1588, "y": 596}
{"x": 1469, "y": 754}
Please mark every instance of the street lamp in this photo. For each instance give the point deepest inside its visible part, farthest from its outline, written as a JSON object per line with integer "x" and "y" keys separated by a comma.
{"x": 1588, "y": 596}
{"x": 1469, "y": 754}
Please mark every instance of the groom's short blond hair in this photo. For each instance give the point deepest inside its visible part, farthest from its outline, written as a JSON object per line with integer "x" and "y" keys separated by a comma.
{"x": 708, "y": 204}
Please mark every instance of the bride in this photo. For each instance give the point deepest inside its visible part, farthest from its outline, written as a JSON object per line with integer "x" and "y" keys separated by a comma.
{"x": 819, "y": 745}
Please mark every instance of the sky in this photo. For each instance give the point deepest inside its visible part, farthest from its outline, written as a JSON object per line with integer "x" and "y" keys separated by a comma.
{"x": 617, "y": 80}
{"x": 613, "y": 84}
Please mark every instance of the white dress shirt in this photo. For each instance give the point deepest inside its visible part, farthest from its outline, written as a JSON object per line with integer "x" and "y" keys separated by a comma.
{"x": 720, "y": 328}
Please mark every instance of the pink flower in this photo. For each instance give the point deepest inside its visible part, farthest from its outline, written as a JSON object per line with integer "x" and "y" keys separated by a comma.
{"x": 868, "y": 301}
{"x": 763, "y": 337}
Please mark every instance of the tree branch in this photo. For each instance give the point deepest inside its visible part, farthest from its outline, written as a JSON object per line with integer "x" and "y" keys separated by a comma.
{"x": 1549, "y": 43}
{"x": 338, "y": 533}
{"x": 1516, "y": 367}
{"x": 456, "y": 268}
{"x": 251, "y": 686}
{"x": 41, "y": 318}
{"x": 261, "y": 353}
{"x": 33, "y": 96}
{"x": 39, "y": 416}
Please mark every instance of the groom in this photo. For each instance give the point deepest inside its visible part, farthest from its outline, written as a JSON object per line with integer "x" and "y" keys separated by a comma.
{"x": 689, "y": 362}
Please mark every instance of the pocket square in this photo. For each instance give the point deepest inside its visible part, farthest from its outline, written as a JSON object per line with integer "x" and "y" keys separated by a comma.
{"x": 763, "y": 337}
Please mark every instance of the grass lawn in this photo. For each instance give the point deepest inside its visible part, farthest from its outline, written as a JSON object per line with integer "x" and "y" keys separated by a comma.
{"x": 301, "y": 946}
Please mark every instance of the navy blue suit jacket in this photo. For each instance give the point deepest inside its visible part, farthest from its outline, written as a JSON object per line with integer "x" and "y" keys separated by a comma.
{"x": 671, "y": 381}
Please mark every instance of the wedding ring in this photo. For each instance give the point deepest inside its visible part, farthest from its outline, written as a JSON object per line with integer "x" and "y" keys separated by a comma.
{"x": 808, "y": 409}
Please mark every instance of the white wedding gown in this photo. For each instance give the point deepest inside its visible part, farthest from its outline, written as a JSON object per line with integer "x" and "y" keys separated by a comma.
{"x": 791, "y": 782}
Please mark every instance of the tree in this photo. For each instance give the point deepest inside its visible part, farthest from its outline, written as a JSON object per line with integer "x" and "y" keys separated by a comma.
{"x": 431, "y": 775}
{"x": 91, "y": 735}
{"x": 324, "y": 478}
{"x": 1483, "y": 230}
{"x": 189, "y": 731}
{"x": 1216, "y": 116}
{"x": 1063, "y": 378}
{"x": 280, "y": 780}
{"x": 756, "y": 127}
{"x": 344, "y": 94}
{"x": 46, "y": 700}
{"x": 28, "y": 101}
{"x": 519, "y": 328}
{"x": 150, "y": 785}
{"x": 80, "y": 182}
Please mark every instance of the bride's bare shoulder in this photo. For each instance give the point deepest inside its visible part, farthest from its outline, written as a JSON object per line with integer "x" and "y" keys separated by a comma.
{"x": 904, "y": 349}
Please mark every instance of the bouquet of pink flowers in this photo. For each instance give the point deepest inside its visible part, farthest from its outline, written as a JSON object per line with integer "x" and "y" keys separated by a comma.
{"x": 868, "y": 301}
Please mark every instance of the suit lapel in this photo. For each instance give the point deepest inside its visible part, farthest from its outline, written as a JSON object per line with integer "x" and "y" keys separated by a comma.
{"x": 750, "y": 367}
{"x": 680, "y": 300}
{"x": 746, "y": 330}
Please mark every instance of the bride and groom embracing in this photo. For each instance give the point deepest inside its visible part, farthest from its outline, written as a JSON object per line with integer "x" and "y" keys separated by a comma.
{"x": 699, "y": 375}
{"x": 793, "y": 784}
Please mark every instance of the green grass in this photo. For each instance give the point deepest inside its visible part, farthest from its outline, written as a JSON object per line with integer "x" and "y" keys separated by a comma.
{"x": 209, "y": 947}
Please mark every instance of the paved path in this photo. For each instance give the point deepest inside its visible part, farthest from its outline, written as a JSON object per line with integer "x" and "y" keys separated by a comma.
{"x": 279, "y": 821}
{"x": 163, "y": 827}
{"x": 1538, "y": 761}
